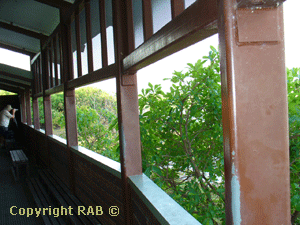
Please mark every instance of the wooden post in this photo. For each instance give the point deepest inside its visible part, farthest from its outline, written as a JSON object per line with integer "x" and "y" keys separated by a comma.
{"x": 69, "y": 100}
{"x": 128, "y": 113}
{"x": 36, "y": 119}
{"x": 28, "y": 107}
{"x": 255, "y": 114}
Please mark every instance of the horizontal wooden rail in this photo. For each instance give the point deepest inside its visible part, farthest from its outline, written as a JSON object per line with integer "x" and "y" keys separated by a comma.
{"x": 98, "y": 75}
{"x": 192, "y": 25}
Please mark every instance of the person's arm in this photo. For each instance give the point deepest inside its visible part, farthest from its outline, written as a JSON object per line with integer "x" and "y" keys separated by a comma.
{"x": 13, "y": 113}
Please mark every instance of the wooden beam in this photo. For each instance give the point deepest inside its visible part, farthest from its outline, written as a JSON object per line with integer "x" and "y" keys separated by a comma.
{"x": 196, "y": 23}
{"x": 56, "y": 3}
{"x": 55, "y": 89}
{"x": 16, "y": 49}
{"x": 23, "y": 31}
{"x": 16, "y": 83}
{"x": 98, "y": 75}
{"x": 16, "y": 76}
{"x": 7, "y": 87}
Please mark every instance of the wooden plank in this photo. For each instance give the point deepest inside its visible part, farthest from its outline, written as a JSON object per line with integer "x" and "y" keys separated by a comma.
{"x": 177, "y": 7}
{"x": 89, "y": 36}
{"x": 196, "y": 23}
{"x": 147, "y": 19}
{"x": 98, "y": 75}
{"x": 38, "y": 201}
{"x": 55, "y": 60}
{"x": 103, "y": 33}
{"x": 24, "y": 31}
{"x": 78, "y": 43}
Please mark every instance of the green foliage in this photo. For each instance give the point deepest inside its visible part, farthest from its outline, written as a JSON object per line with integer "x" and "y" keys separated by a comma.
{"x": 96, "y": 111}
{"x": 293, "y": 81}
{"x": 3, "y": 92}
{"x": 58, "y": 118}
{"x": 181, "y": 138}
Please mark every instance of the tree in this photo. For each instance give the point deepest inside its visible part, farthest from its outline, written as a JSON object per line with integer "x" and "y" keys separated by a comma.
{"x": 293, "y": 81}
{"x": 181, "y": 136}
{"x": 96, "y": 112}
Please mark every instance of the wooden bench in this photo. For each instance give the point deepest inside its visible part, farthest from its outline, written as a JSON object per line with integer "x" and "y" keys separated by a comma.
{"x": 57, "y": 195}
{"x": 43, "y": 200}
{"x": 19, "y": 158}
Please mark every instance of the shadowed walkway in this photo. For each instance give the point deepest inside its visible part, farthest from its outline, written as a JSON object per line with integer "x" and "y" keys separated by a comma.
{"x": 14, "y": 193}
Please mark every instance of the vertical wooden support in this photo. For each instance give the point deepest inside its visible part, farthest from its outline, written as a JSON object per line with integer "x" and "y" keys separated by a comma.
{"x": 36, "y": 117}
{"x": 50, "y": 49}
{"x": 69, "y": 100}
{"x": 130, "y": 28}
{"x": 147, "y": 19}
{"x": 55, "y": 59}
{"x": 78, "y": 43}
{"x": 177, "y": 7}
{"x": 40, "y": 73}
{"x": 23, "y": 107}
{"x": 28, "y": 107}
{"x": 89, "y": 35}
{"x": 60, "y": 57}
{"x": 103, "y": 33}
{"x": 128, "y": 114}
{"x": 255, "y": 115}
{"x": 48, "y": 115}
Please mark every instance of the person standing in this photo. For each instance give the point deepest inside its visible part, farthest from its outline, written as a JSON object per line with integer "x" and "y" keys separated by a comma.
{"x": 5, "y": 117}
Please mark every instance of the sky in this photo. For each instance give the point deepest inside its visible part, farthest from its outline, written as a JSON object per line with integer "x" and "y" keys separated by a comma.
{"x": 156, "y": 72}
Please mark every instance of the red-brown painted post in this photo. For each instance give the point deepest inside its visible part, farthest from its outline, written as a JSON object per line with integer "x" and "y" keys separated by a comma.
{"x": 128, "y": 113}
{"x": 255, "y": 114}
{"x": 103, "y": 33}
{"x": 69, "y": 100}
{"x": 28, "y": 107}
{"x": 23, "y": 107}
{"x": 177, "y": 7}
{"x": 35, "y": 107}
{"x": 89, "y": 35}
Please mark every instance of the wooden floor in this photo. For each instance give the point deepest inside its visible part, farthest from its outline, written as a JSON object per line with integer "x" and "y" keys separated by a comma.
{"x": 14, "y": 194}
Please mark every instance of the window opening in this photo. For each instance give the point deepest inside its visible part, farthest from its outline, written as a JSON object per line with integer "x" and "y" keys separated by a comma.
{"x": 97, "y": 118}
{"x": 137, "y": 8}
{"x": 58, "y": 116}
{"x": 161, "y": 14}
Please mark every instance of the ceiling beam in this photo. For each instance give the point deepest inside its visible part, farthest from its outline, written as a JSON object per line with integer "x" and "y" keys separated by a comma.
{"x": 19, "y": 84}
{"x": 55, "y": 3}
{"x": 16, "y": 76}
{"x": 16, "y": 49}
{"x": 10, "y": 88}
{"x": 22, "y": 31}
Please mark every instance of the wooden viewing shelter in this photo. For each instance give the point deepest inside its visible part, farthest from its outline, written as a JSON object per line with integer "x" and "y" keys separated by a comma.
{"x": 54, "y": 33}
